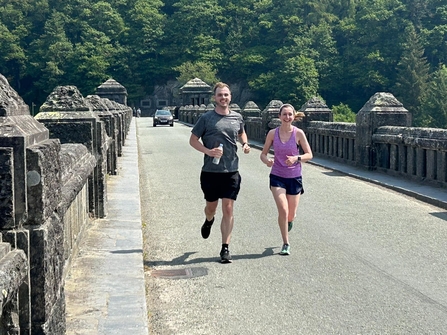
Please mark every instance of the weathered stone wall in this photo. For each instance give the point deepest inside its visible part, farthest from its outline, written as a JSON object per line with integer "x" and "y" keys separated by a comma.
{"x": 52, "y": 174}
{"x": 416, "y": 153}
{"x": 13, "y": 274}
{"x": 333, "y": 139}
{"x": 31, "y": 225}
{"x": 70, "y": 118}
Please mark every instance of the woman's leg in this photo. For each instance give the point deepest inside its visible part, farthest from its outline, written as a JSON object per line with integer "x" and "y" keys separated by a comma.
{"x": 293, "y": 202}
{"x": 279, "y": 194}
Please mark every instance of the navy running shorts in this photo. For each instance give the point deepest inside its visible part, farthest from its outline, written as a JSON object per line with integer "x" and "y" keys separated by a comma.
{"x": 293, "y": 186}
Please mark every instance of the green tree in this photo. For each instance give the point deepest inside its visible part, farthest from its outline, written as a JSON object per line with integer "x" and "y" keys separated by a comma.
{"x": 103, "y": 17}
{"x": 194, "y": 32}
{"x": 412, "y": 76}
{"x": 12, "y": 57}
{"x": 369, "y": 47}
{"x": 342, "y": 113}
{"x": 48, "y": 57}
{"x": 142, "y": 58}
{"x": 434, "y": 103}
{"x": 249, "y": 39}
{"x": 15, "y": 27}
{"x": 201, "y": 70}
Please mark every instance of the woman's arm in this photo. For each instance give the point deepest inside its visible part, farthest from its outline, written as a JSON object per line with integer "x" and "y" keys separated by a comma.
{"x": 304, "y": 144}
{"x": 265, "y": 150}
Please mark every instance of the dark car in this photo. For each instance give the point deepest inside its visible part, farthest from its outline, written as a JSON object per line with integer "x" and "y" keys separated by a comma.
{"x": 162, "y": 116}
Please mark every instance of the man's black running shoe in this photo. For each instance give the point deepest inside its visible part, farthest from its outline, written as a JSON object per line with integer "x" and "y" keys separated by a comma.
{"x": 225, "y": 256}
{"x": 206, "y": 228}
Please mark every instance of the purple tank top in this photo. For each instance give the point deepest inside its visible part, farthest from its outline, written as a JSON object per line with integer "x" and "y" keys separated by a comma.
{"x": 282, "y": 150}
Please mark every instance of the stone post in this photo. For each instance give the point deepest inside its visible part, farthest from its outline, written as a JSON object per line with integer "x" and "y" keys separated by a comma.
{"x": 196, "y": 92}
{"x": 315, "y": 109}
{"x": 70, "y": 118}
{"x": 119, "y": 124}
{"x": 109, "y": 119}
{"x": 189, "y": 112}
{"x": 235, "y": 108}
{"x": 112, "y": 90}
{"x": 198, "y": 113}
{"x": 29, "y": 198}
{"x": 251, "y": 114}
{"x": 209, "y": 107}
{"x": 382, "y": 109}
{"x": 181, "y": 114}
{"x": 269, "y": 113}
{"x": 250, "y": 109}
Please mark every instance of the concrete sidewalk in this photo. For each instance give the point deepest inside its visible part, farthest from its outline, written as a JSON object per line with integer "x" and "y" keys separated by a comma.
{"x": 105, "y": 288}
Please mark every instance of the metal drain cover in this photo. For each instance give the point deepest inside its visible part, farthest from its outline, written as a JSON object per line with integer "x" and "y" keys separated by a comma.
{"x": 180, "y": 273}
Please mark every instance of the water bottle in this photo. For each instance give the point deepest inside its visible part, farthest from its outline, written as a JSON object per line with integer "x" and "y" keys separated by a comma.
{"x": 216, "y": 160}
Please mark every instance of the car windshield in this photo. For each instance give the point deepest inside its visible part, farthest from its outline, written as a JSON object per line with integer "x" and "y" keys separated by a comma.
{"x": 163, "y": 112}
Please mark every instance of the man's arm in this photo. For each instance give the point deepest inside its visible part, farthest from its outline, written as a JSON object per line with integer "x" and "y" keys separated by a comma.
{"x": 244, "y": 141}
{"x": 198, "y": 145}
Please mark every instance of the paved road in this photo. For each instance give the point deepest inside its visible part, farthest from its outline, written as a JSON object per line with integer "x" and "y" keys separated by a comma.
{"x": 364, "y": 259}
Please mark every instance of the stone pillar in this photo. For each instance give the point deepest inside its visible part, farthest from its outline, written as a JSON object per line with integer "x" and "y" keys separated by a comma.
{"x": 315, "y": 110}
{"x": 270, "y": 112}
{"x": 200, "y": 111}
{"x": 196, "y": 92}
{"x": 189, "y": 111}
{"x": 209, "y": 107}
{"x": 70, "y": 118}
{"x": 29, "y": 198}
{"x": 250, "y": 109}
{"x": 251, "y": 114}
{"x": 382, "y": 109}
{"x": 109, "y": 119}
{"x": 119, "y": 124}
{"x": 181, "y": 114}
{"x": 235, "y": 108}
{"x": 112, "y": 90}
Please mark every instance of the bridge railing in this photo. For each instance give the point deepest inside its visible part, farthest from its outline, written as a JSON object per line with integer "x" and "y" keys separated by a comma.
{"x": 416, "y": 153}
{"x": 335, "y": 140}
{"x": 53, "y": 175}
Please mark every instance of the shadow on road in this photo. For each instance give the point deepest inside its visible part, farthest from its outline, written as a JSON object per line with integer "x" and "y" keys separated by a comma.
{"x": 183, "y": 259}
{"x": 440, "y": 215}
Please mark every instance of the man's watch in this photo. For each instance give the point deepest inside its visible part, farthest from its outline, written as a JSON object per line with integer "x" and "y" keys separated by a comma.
{"x": 244, "y": 144}
{"x": 299, "y": 158}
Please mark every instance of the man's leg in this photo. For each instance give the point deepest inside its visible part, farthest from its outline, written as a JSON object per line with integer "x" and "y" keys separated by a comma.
{"x": 210, "y": 211}
{"x": 226, "y": 227}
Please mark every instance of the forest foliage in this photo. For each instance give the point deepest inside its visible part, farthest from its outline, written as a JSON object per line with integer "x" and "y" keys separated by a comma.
{"x": 291, "y": 50}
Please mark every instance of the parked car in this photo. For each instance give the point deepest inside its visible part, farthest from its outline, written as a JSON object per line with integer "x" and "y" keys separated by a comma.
{"x": 162, "y": 116}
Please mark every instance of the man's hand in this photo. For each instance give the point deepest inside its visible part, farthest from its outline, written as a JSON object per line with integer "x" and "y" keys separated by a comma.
{"x": 246, "y": 148}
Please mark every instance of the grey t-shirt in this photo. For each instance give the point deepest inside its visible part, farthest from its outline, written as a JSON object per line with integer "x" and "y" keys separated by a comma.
{"x": 213, "y": 129}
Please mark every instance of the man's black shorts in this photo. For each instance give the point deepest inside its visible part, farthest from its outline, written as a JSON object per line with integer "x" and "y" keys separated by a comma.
{"x": 216, "y": 186}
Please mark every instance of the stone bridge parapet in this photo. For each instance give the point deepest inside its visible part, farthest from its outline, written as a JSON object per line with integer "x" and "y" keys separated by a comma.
{"x": 53, "y": 170}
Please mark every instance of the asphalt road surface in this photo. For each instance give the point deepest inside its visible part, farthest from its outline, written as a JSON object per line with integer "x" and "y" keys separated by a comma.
{"x": 364, "y": 259}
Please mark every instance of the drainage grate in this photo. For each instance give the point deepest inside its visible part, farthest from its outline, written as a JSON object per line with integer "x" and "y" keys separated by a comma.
{"x": 180, "y": 273}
